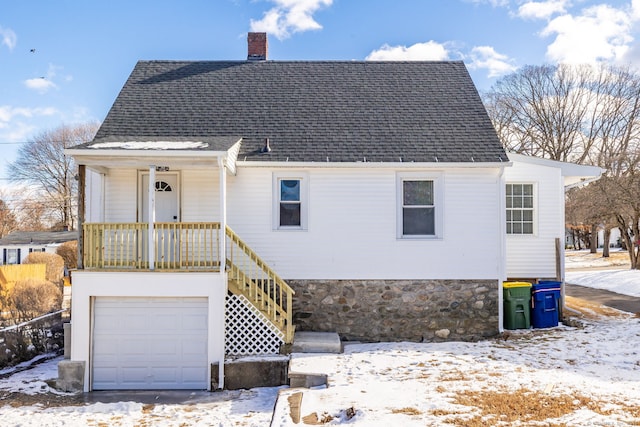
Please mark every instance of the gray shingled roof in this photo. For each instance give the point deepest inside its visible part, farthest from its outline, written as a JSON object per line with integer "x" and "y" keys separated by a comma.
{"x": 310, "y": 111}
{"x": 38, "y": 237}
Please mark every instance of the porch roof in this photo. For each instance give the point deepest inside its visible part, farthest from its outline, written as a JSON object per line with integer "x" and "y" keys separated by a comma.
{"x": 573, "y": 174}
{"x": 132, "y": 151}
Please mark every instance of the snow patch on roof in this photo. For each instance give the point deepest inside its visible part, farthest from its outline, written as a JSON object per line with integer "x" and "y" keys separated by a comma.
{"x": 152, "y": 145}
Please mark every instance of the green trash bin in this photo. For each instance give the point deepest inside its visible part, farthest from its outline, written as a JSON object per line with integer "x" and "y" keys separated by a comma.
{"x": 517, "y": 305}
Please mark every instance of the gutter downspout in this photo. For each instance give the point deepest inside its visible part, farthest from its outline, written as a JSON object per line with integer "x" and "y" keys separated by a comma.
{"x": 223, "y": 263}
{"x": 502, "y": 237}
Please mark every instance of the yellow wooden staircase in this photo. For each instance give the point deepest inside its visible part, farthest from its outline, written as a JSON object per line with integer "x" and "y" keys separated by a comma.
{"x": 251, "y": 277}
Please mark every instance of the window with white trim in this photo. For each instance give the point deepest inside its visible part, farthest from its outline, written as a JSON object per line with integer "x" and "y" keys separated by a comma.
{"x": 419, "y": 206}
{"x": 290, "y": 202}
{"x": 520, "y": 211}
{"x": 11, "y": 256}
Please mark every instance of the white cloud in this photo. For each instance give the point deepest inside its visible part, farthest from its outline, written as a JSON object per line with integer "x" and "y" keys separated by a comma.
{"x": 43, "y": 84}
{"x": 7, "y": 112}
{"x": 486, "y": 57}
{"x": 428, "y": 51}
{"x": 290, "y": 16}
{"x": 16, "y": 123}
{"x": 635, "y": 10}
{"x": 9, "y": 37}
{"x": 599, "y": 33}
{"x": 541, "y": 9}
{"x": 40, "y": 84}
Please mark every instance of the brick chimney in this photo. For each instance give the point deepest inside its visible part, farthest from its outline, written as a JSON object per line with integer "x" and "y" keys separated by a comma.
{"x": 257, "y": 43}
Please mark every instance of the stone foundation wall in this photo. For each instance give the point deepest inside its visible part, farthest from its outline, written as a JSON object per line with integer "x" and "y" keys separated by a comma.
{"x": 397, "y": 310}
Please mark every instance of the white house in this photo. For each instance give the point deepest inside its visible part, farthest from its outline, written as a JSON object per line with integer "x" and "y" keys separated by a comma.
{"x": 16, "y": 247}
{"x": 365, "y": 198}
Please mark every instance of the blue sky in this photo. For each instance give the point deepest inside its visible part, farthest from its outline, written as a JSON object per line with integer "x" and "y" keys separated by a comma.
{"x": 64, "y": 61}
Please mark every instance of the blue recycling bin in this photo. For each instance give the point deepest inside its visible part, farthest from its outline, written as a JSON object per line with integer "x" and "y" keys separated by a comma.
{"x": 545, "y": 304}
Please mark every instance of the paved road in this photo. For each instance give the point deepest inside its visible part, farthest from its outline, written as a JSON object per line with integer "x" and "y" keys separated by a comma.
{"x": 611, "y": 299}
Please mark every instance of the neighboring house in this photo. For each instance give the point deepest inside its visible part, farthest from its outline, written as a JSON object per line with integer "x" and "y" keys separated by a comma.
{"x": 365, "y": 198}
{"x": 535, "y": 223}
{"x": 17, "y": 246}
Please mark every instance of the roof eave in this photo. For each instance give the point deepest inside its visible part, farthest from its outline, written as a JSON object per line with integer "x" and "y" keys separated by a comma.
{"x": 396, "y": 165}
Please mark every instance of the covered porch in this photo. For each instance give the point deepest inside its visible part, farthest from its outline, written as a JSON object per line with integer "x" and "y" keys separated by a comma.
{"x": 147, "y": 210}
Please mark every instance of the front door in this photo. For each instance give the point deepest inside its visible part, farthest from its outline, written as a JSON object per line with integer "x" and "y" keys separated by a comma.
{"x": 166, "y": 197}
{"x": 167, "y": 236}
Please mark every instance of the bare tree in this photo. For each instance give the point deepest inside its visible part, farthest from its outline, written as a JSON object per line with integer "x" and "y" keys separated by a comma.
{"x": 41, "y": 162}
{"x": 541, "y": 111}
{"x": 623, "y": 193}
{"x": 8, "y": 221}
{"x": 584, "y": 115}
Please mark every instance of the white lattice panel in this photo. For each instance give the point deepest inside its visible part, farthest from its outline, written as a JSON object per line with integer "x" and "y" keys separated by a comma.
{"x": 247, "y": 331}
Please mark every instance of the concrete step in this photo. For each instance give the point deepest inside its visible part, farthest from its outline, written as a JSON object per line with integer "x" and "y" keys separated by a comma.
{"x": 316, "y": 342}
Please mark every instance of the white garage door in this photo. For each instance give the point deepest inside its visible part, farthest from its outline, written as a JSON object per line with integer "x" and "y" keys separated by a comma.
{"x": 150, "y": 343}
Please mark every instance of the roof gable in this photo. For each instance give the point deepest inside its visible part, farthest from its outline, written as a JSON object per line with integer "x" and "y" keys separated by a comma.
{"x": 309, "y": 111}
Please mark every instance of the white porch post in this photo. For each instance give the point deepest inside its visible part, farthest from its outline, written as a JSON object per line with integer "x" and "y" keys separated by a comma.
{"x": 223, "y": 262}
{"x": 223, "y": 214}
{"x": 152, "y": 215}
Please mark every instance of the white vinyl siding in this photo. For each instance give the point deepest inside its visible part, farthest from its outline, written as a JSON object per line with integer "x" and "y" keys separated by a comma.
{"x": 94, "y": 196}
{"x": 534, "y": 255}
{"x": 121, "y": 201}
{"x": 352, "y": 226}
{"x": 200, "y": 195}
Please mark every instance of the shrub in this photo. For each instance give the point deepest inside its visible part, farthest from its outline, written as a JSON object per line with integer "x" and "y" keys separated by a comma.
{"x": 54, "y": 263}
{"x": 31, "y": 298}
{"x": 69, "y": 253}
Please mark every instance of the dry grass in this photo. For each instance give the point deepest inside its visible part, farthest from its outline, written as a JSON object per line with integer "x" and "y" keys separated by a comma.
{"x": 525, "y": 406}
{"x": 407, "y": 411}
{"x": 147, "y": 408}
{"x": 615, "y": 257}
{"x": 454, "y": 375}
{"x": 31, "y": 298}
{"x": 591, "y": 311}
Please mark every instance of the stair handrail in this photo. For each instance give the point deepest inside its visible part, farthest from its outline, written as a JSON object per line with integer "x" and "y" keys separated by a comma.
{"x": 275, "y": 315}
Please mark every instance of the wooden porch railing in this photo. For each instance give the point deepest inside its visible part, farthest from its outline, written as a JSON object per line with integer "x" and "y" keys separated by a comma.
{"x": 192, "y": 246}
{"x": 250, "y": 276}
{"x": 178, "y": 245}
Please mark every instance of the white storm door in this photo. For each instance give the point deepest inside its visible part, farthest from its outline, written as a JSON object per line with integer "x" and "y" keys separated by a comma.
{"x": 150, "y": 343}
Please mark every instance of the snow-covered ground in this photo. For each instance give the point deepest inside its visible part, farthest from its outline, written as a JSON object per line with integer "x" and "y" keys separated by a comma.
{"x": 566, "y": 376}
{"x": 582, "y": 270}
